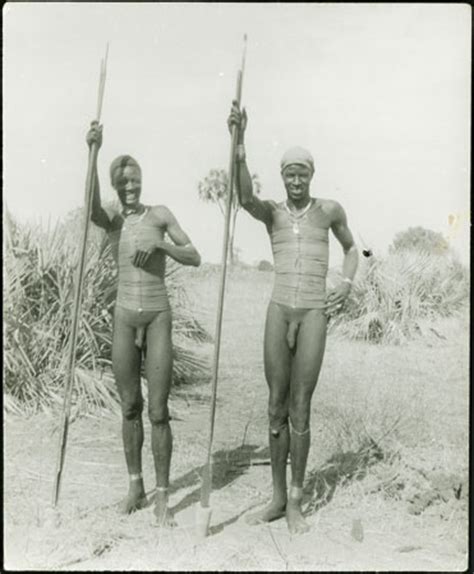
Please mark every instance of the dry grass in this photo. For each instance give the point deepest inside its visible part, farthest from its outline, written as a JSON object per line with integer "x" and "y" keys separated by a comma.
{"x": 39, "y": 268}
{"x": 393, "y": 297}
{"x": 389, "y": 451}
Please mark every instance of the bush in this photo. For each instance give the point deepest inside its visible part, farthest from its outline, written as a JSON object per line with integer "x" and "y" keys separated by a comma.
{"x": 421, "y": 240}
{"x": 265, "y": 265}
{"x": 392, "y": 296}
{"x": 39, "y": 269}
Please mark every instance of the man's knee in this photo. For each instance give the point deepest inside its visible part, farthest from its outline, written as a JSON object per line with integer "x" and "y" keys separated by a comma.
{"x": 159, "y": 415}
{"x": 299, "y": 415}
{"x": 277, "y": 416}
{"x": 132, "y": 409}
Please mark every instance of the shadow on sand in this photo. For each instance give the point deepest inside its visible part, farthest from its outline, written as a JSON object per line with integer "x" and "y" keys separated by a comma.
{"x": 227, "y": 467}
{"x": 340, "y": 469}
{"x": 320, "y": 484}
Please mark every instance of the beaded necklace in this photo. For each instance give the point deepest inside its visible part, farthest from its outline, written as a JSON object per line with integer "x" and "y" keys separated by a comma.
{"x": 130, "y": 222}
{"x": 297, "y": 217}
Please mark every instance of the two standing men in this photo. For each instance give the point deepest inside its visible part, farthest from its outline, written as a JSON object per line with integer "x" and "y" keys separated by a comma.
{"x": 295, "y": 331}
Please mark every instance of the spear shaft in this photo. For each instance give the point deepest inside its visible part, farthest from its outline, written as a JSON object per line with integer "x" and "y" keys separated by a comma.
{"x": 207, "y": 470}
{"x": 78, "y": 287}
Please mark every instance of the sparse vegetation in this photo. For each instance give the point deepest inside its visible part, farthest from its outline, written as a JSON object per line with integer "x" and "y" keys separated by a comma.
{"x": 39, "y": 268}
{"x": 389, "y": 453}
{"x": 421, "y": 240}
{"x": 392, "y": 298}
{"x": 265, "y": 265}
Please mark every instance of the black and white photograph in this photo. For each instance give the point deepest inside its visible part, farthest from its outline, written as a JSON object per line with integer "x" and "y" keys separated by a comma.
{"x": 236, "y": 286}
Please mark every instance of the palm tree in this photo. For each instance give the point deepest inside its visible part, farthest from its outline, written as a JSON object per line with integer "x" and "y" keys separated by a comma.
{"x": 214, "y": 188}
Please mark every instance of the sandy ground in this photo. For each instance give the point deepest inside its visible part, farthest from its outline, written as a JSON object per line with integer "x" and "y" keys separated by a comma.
{"x": 412, "y": 400}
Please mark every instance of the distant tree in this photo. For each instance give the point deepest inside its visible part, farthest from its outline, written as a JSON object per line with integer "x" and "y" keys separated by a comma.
{"x": 214, "y": 189}
{"x": 420, "y": 239}
{"x": 265, "y": 265}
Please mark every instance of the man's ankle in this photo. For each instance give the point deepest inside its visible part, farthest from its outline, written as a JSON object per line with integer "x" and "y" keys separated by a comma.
{"x": 279, "y": 499}
{"x": 162, "y": 492}
{"x": 295, "y": 493}
{"x": 135, "y": 482}
{"x": 135, "y": 477}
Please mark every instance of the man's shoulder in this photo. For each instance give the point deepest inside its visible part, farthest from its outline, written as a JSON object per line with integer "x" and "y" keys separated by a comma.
{"x": 255, "y": 199}
{"x": 159, "y": 209}
{"x": 160, "y": 213}
{"x": 260, "y": 209}
{"x": 273, "y": 204}
{"x": 331, "y": 208}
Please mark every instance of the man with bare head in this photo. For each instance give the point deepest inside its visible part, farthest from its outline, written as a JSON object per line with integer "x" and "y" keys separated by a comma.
{"x": 142, "y": 320}
{"x": 295, "y": 329}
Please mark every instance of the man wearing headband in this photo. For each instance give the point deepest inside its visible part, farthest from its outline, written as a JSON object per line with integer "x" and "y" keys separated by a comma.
{"x": 295, "y": 328}
{"x": 142, "y": 320}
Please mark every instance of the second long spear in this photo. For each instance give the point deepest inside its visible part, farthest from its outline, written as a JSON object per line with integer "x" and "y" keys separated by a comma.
{"x": 204, "y": 511}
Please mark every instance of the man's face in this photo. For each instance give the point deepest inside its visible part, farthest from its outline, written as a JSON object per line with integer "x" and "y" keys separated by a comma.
{"x": 297, "y": 179}
{"x": 128, "y": 185}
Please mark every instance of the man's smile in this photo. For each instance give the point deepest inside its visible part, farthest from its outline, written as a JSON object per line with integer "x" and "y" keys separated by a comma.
{"x": 131, "y": 196}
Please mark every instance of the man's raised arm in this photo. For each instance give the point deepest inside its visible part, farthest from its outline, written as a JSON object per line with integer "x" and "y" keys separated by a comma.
{"x": 261, "y": 210}
{"x": 98, "y": 214}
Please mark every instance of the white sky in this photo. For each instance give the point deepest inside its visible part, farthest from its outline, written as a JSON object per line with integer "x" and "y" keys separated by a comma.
{"x": 380, "y": 93}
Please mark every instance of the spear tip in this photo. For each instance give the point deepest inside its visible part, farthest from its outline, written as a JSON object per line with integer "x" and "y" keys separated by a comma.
{"x": 244, "y": 53}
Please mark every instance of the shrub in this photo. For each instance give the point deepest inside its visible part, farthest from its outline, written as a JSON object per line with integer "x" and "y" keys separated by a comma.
{"x": 39, "y": 269}
{"x": 392, "y": 296}
{"x": 421, "y": 240}
{"x": 265, "y": 265}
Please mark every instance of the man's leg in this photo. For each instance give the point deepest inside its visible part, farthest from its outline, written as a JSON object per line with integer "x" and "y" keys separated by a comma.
{"x": 126, "y": 358}
{"x": 159, "y": 365}
{"x": 277, "y": 357}
{"x": 304, "y": 376}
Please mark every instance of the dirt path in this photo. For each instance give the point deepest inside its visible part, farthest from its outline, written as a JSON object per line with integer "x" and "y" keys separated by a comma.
{"x": 359, "y": 385}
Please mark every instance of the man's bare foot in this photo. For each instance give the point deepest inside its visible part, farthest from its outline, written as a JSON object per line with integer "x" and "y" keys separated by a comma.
{"x": 294, "y": 517}
{"x": 135, "y": 500}
{"x": 273, "y": 511}
{"x": 164, "y": 516}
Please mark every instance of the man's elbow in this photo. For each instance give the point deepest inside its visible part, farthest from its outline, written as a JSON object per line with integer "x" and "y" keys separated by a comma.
{"x": 352, "y": 250}
{"x": 246, "y": 202}
{"x": 196, "y": 259}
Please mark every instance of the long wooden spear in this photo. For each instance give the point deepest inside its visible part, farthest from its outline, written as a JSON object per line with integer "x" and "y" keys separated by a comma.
{"x": 79, "y": 281}
{"x": 204, "y": 512}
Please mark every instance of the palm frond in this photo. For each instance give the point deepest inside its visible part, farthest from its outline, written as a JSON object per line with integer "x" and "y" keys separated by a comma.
{"x": 39, "y": 267}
